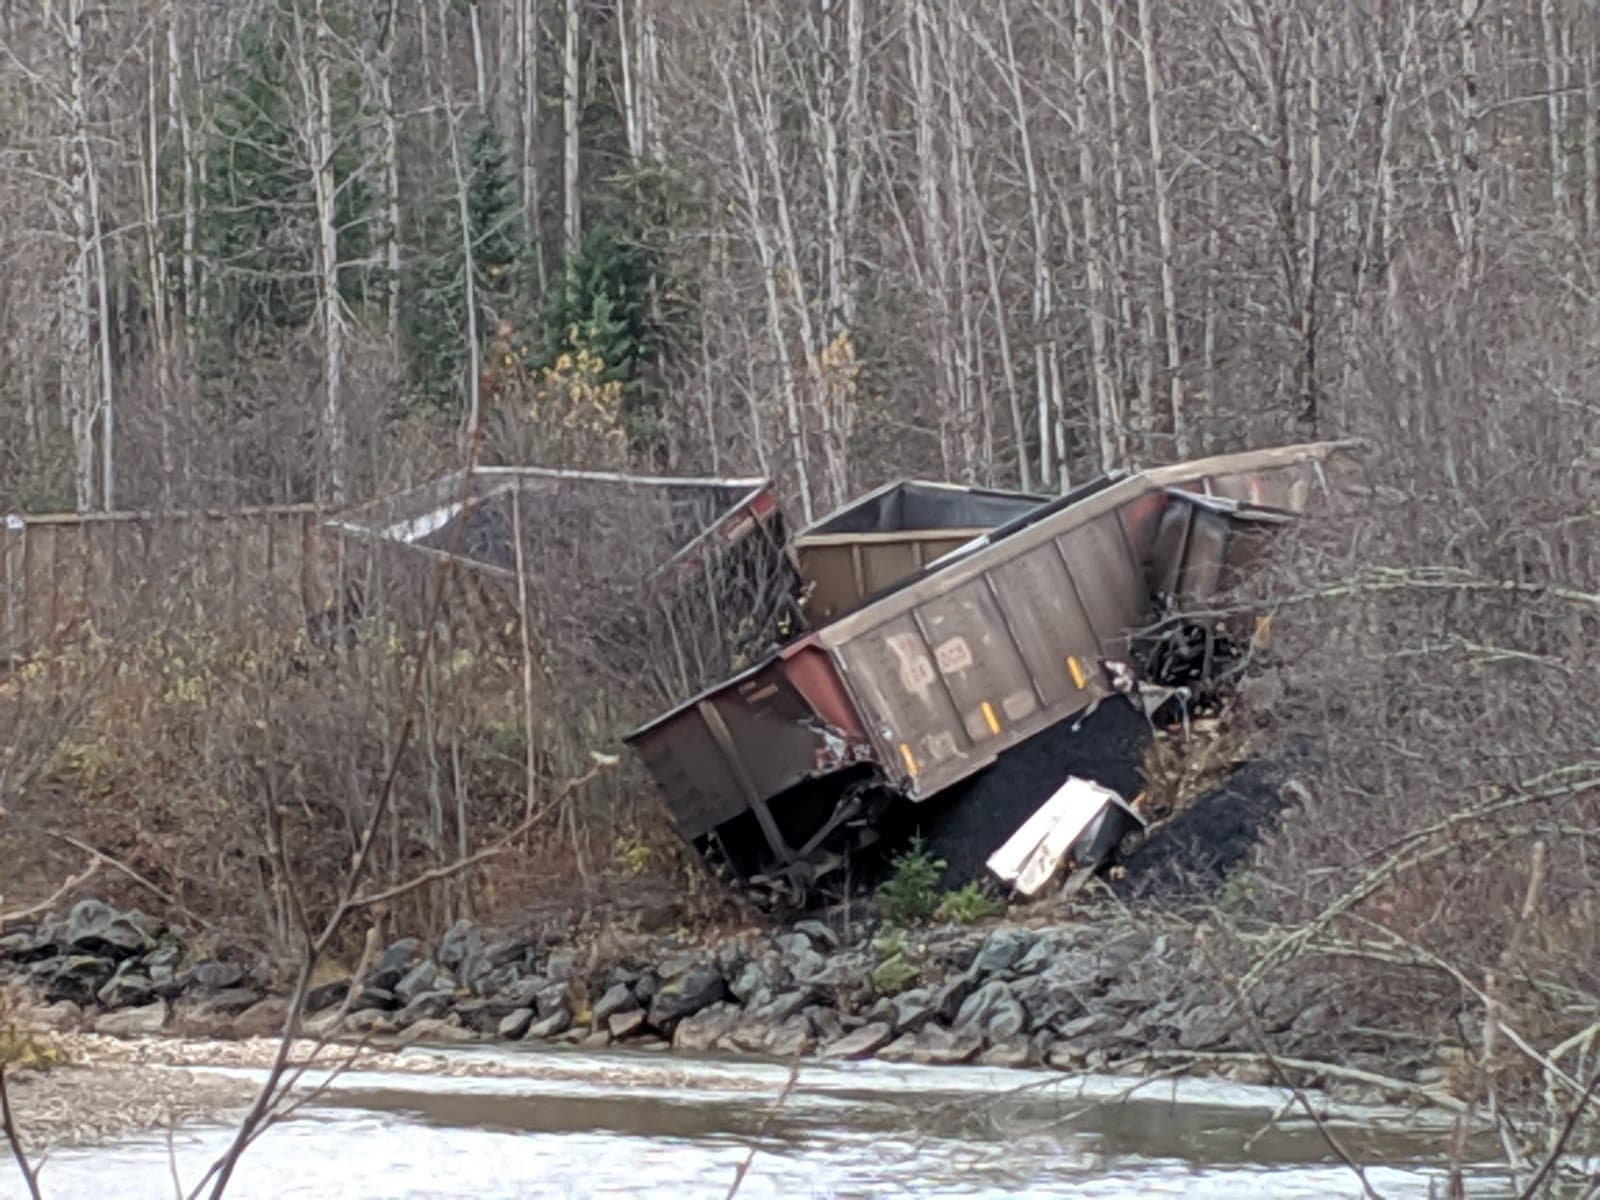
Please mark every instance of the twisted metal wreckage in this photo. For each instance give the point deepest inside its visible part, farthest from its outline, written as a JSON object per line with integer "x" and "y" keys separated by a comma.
{"x": 940, "y": 649}
{"x": 979, "y": 667}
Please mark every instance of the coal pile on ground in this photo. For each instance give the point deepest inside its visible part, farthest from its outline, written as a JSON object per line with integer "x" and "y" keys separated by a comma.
{"x": 1187, "y": 858}
{"x": 970, "y": 821}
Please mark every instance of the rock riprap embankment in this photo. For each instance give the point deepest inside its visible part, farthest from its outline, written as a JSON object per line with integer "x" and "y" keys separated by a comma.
{"x": 1071, "y": 996}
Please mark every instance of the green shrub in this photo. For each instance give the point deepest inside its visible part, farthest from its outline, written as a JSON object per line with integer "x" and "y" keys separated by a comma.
{"x": 967, "y": 904}
{"x": 911, "y": 893}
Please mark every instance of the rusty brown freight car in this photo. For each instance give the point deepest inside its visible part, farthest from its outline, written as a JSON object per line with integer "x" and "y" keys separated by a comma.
{"x": 925, "y": 685}
{"x": 878, "y": 540}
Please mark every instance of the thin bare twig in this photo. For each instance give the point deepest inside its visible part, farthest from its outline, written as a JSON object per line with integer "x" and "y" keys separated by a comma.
{"x": 1560, "y": 1146}
{"x": 496, "y": 848}
{"x": 30, "y": 1175}
{"x": 766, "y": 1122}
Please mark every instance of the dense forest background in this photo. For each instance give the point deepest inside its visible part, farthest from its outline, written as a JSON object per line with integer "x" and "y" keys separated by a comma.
{"x": 282, "y": 250}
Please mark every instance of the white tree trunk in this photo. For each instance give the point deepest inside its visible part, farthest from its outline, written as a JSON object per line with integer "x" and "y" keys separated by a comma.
{"x": 769, "y": 269}
{"x": 480, "y": 74}
{"x": 569, "y": 123}
{"x": 627, "y": 68}
{"x": 1556, "y": 78}
{"x": 1591, "y": 127}
{"x": 156, "y": 264}
{"x": 855, "y": 124}
{"x": 391, "y": 176}
{"x": 1108, "y": 422}
{"x": 1164, "y": 233}
{"x": 318, "y": 94}
{"x": 529, "y": 34}
{"x": 77, "y": 307}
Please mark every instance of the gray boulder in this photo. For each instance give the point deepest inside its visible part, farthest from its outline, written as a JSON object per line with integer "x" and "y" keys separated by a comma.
{"x": 421, "y": 978}
{"x": 847, "y": 971}
{"x": 27, "y": 945}
{"x": 377, "y": 997}
{"x": 94, "y": 927}
{"x": 647, "y": 986}
{"x": 759, "y": 980}
{"x": 1205, "y": 1025}
{"x": 859, "y": 1044}
{"x": 949, "y": 996}
{"x": 215, "y": 976}
{"x": 264, "y": 1018}
{"x": 821, "y": 936}
{"x": 480, "y": 1016}
{"x": 1001, "y": 950}
{"x": 395, "y": 963}
{"x": 625, "y": 1024}
{"x": 791, "y": 1038}
{"x": 78, "y": 977}
{"x": 902, "y": 1049}
{"x": 524, "y": 993}
{"x": 562, "y": 965}
{"x": 701, "y": 1031}
{"x": 514, "y": 1024}
{"x": 327, "y": 995}
{"x": 460, "y": 940}
{"x": 436, "y": 1029}
{"x": 781, "y": 1008}
{"x": 910, "y": 1011}
{"x": 686, "y": 995}
{"x": 166, "y": 982}
{"x": 993, "y": 1012}
{"x": 550, "y": 999}
{"x": 167, "y": 954}
{"x": 791, "y": 945}
{"x": 938, "y": 1046}
{"x": 825, "y": 1022}
{"x": 128, "y": 987}
{"x": 425, "y": 1005}
{"x": 1012, "y": 1052}
{"x": 618, "y": 998}
{"x": 1038, "y": 957}
{"x": 132, "y": 1022}
{"x": 556, "y": 1023}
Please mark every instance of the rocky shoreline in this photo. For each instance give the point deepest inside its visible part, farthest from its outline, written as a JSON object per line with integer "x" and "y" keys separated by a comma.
{"x": 1109, "y": 996}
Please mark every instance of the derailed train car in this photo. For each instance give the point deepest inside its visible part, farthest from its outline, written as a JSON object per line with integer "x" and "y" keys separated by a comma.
{"x": 924, "y": 685}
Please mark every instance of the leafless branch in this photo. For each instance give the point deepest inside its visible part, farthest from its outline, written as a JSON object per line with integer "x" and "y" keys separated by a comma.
{"x": 30, "y": 1176}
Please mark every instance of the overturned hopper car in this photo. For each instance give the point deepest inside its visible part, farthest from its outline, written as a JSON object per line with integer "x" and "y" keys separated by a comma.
{"x": 891, "y": 533}
{"x": 924, "y": 685}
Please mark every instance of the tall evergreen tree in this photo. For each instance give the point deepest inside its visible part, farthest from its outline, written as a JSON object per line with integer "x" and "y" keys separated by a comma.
{"x": 256, "y": 229}
{"x": 616, "y": 297}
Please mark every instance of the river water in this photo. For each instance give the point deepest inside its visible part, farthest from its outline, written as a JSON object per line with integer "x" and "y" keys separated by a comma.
{"x": 559, "y": 1123}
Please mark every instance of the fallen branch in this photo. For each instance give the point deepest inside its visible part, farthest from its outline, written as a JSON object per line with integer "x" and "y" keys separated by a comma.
{"x": 142, "y": 881}
{"x": 47, "y": 904}
{"x": 1310, "y": 1066}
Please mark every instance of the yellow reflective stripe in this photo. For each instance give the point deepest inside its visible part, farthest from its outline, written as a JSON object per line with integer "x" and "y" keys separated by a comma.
{"x": 911, "y": 763}
{"x": 1078, "y": 677}
{"x": 988, "y": 715}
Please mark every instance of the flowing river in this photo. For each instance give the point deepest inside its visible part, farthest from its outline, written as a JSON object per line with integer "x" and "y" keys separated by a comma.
{"x": 566, "y": 1123}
